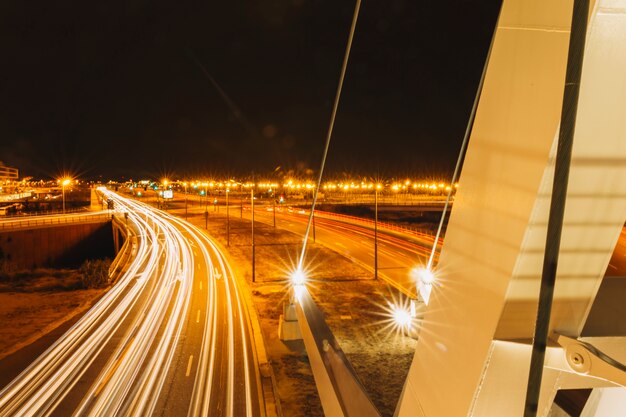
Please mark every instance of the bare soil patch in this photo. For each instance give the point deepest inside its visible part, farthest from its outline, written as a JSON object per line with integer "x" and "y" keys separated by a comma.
{"x": 32, "y": 303}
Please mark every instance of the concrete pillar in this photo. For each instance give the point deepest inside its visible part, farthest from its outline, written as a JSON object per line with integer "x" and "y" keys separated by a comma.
{"x": 288, "y": 327}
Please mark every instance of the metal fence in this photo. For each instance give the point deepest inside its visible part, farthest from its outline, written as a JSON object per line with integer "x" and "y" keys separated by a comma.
{"x": 53, "y": 220}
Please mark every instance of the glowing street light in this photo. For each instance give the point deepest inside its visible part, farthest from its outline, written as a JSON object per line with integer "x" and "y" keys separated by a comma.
{"x": 425, "y": 276}
{"x": 402, "y": 318}
{"x": 64, "y": 182}
{"x": 425, "y": 279}
{"x": 298, "y": 277}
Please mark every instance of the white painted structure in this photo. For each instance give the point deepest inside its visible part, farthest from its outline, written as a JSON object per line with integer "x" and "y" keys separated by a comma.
{"x": 473, "y": 355}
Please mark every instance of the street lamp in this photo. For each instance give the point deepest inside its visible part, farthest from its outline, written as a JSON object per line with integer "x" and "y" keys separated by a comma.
{"x": 206, "y": 205}
{"x": 185, "y": 184}
{"x": 227, "y": 219}
{"x": 253, "y": 258}
{"x": 64, "y": 183}
{"x": 378, "y": 187}
{"x": 165, "y": 183}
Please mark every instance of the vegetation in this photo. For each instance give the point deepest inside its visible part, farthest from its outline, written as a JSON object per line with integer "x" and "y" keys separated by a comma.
{"x": 95, "y": 273}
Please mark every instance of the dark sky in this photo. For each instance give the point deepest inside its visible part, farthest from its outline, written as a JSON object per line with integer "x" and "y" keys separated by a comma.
{"x": 116, "y": 88}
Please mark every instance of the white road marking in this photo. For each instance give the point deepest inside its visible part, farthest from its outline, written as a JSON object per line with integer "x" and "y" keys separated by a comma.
{"x": 189, "y": 366}
{"x": 198, "y": 317}
{"x": 201, "y": 285}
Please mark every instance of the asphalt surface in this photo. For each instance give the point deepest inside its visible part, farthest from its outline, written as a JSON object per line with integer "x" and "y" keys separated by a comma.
{"x": 171, "y": 338}
{"x": 398, "y": 253}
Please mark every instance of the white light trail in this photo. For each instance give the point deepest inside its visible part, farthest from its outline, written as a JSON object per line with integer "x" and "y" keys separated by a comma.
{"x": 139, "y": 323}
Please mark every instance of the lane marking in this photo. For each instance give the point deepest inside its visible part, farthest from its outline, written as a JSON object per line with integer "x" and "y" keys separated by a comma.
{"x": 613, "y": 266}
{"x": 189, "y": 366}
{"x": 114, "y": 368}
{"x": 200, "y": 285}
{"x": 198, "y": 317}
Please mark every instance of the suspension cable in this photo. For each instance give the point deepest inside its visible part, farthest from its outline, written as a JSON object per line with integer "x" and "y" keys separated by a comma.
{"x": 468, "y": 131}
{"x": 330, "y": 131}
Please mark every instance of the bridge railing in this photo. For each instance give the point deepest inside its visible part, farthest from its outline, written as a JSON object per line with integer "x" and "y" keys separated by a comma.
{"x": 20, "y": 223}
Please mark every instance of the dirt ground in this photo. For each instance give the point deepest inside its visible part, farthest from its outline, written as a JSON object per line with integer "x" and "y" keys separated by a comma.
{"x": 355, "y": 305}
{"x": 34, "y": 302}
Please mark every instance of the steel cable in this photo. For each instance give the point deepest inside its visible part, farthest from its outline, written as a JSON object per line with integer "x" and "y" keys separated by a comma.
{"x": 330, "y": 131}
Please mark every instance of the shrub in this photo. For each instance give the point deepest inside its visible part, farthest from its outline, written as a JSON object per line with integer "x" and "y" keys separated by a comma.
{"x": 7, "y": 270}
{"x": 95, "y": 273}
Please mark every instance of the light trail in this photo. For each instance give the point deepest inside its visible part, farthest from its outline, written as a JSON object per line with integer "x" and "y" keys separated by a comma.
{"x": 127, "y": 345}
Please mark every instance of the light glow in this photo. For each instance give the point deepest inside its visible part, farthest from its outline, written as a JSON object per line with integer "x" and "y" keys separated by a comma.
{"x": 298, "y": 277}
{"x": 423, "y": 275}
{"x": 425, "y": 279}
{"x": 402, "y": 318}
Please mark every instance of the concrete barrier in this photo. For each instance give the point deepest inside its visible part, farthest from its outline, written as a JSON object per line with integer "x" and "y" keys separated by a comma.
{"x": 339, "y": 387}
{"x": 57, "y": 245}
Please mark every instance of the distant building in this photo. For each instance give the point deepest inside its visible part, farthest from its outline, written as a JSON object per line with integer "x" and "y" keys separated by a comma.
{"x": 8, "y": 173}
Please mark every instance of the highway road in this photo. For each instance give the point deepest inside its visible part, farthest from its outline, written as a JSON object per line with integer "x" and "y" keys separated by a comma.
{"x": 170, "y": 338}
{"x": 399, "y": 251}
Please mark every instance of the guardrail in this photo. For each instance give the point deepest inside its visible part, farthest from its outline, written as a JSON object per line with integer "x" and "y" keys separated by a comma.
{"x": 44, "y": 213}
{"x": 53, "y": 220}
{"x": 126, "y": 252}
{"x": 340, "y": 390}
{"x": 381, "y": 224}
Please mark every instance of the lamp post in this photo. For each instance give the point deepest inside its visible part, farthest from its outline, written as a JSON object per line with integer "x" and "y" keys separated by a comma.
{"x": 376, "y": 231}
{"x": 164, "y": 200}
{"x": 185, "y": 184}
{"x": 206, "y": 206}
{"x": 252, "y": 209}
{"x": 227, "y": 219}
{"x": 64, "y": 182}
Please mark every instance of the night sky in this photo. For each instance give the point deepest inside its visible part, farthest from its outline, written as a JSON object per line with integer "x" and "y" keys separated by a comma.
{"x": 118, "y": 88}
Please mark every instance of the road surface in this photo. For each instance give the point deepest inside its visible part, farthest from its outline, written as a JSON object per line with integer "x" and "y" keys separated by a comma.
{"x": 398, "y": 251}
{"x": 170, "y": 338}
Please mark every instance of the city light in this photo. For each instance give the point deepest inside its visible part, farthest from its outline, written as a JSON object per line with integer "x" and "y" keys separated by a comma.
{"x": 298, "y": 277}
{"x": 423, "y": 275}
{"x": 402, "y": 318}
{"x": 424, "y": 280}
{"x": 331, "y": 188}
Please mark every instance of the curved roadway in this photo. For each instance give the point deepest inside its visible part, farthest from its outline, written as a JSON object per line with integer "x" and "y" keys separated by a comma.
{"x": 170, "y": 338}
{"x": 398, "y": 251}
